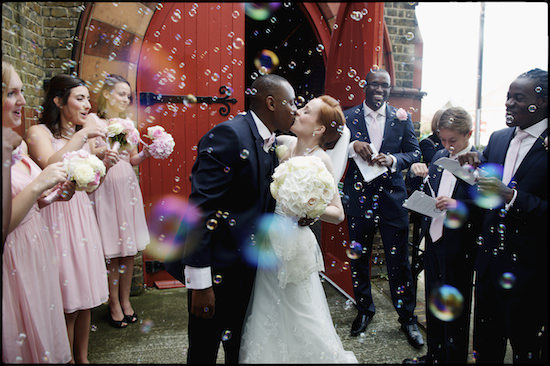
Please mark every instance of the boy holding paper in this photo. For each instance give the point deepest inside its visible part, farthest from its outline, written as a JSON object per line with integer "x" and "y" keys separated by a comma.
{"x": 450, "y": 246}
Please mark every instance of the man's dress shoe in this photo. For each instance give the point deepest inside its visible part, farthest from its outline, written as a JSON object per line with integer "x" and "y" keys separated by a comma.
{"x": 415, "y": 361}
{"x": 413, "y": 335}
{"x": 360, "y": 323}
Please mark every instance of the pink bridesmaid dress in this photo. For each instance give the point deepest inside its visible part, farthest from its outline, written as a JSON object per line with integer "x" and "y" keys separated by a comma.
{"x": 33, "y": 323}
{"x": 82, "y": 270}
{"x": 118, "y": 205}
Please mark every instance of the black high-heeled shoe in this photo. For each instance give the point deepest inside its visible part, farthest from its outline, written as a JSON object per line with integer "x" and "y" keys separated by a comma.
{"x": 117, "y": 323}
{"x": 130, "y": 318}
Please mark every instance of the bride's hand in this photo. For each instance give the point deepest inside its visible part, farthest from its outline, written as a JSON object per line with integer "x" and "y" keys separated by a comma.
{"x": 306, "y": 221}
{"x": 203, "y": 303}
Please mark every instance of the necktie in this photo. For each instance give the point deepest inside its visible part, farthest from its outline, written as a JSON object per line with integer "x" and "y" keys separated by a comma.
{"x": 269, "y": 142}
{"x": 446, "y": 187}
{"x": 510, "y": 164}
{"x": 375, "y": 131}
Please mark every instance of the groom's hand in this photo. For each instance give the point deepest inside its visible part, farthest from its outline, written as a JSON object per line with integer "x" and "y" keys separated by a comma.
{"x": 203, "y": 303}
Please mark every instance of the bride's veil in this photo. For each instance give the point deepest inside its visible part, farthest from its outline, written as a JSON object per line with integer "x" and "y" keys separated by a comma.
{"x": 339, "y": 154}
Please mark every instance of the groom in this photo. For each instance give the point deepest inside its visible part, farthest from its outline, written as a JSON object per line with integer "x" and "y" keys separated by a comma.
{"x": 230, "y": 185}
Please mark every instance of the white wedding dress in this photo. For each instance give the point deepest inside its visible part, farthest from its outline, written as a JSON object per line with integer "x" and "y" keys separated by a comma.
{"x": 289, "y": 319}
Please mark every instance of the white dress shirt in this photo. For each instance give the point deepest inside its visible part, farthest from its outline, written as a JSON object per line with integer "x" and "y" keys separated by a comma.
{"x": 381, "y": 120}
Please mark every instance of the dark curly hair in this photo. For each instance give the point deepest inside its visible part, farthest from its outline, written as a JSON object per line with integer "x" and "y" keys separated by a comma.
{"x": 58, "y": 86}
{"x": 541, "y": 80}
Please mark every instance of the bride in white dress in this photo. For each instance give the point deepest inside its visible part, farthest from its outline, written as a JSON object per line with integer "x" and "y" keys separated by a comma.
{"x": 289, "y": 319}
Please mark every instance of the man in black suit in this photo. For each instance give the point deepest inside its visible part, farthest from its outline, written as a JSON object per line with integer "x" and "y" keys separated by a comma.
{"x": 511, "y": 293}
{"x": 230, "y": 185}
{"x": 378, "y": 203}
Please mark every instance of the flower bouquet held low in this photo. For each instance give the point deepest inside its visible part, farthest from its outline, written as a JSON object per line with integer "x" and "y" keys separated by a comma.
{"x": 84, "y": 169}
{"x": 162, "y": 144}
{"x": 303, "y": 187}
{"x": 122, "y": 134}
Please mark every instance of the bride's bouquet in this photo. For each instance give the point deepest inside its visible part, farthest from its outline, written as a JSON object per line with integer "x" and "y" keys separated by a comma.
{"x": 122, "y": 134}
{"x": 162, "y": 143}
{"x": 303, "y": 187}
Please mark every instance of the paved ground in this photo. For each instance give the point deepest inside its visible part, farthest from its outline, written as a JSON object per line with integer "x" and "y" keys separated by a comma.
{"x": 160, "y": 335}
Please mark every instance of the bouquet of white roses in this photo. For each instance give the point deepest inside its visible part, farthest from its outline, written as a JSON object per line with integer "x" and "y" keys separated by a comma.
{"x": 162, "y": 143}
{"x": 303, "y": 187}
{"x": 122, "y": 134}
{"x": 84, "y": 169}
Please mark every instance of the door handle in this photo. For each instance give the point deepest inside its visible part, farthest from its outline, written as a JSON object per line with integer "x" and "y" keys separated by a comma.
{"x": 147, "y": 99}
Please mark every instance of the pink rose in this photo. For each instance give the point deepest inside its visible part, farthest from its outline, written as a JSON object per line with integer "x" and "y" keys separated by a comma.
{"x": 401, "y": 114}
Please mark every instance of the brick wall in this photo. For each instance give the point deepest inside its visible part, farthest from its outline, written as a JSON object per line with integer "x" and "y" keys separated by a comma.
{"x": 37, "y": 38}
{"x": 400, "y": 18}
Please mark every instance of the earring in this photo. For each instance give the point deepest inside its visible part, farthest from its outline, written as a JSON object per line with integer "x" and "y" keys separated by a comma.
{"x": 313, "y": 133}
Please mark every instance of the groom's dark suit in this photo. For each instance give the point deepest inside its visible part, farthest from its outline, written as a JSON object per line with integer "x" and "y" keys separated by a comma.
{"x": 230, "y": 184}
{"x": 383, "y": 198}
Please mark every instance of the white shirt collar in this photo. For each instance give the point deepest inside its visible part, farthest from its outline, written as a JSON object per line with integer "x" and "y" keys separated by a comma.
{"x": 537, "y": 129}
{"x": 381, "y": 110}
{"x": 262, "y": 129}
{"x": 464, "y": 151}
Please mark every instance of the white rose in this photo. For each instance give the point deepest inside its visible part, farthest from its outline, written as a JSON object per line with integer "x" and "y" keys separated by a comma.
{"x": 114, "y": 129}
{"x": 83, "y": 174}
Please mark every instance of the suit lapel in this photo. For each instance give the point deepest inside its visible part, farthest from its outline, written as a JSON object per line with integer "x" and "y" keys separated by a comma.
{"x": 531, "y": 161}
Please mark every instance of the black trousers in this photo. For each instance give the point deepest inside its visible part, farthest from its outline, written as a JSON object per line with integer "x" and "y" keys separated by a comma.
{"x": 518, "y": 315}
{"x": 232, "y": 297}
{"x": 395, "y": 242}
{"x": 448, "y": 263}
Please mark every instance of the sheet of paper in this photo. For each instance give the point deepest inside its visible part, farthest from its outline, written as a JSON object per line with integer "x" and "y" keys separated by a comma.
{"x": 424, "y": 204}
{"x": 458, "y": 171}
{"x": 369, "y": 172}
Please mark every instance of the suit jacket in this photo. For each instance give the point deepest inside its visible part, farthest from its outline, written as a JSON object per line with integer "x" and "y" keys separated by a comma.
{"x": 459, "y": 239}
{"x": 389, "y": 189}
{"x": 522, "y": 249}
{"x": 230, "y": 185}
{"x": 428, "y": 146}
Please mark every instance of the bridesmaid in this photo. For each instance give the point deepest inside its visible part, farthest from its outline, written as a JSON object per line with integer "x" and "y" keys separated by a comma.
{"x": 119, "y": 206}
{"x": 66, "y": 126}
{"x": 33, "y": 326}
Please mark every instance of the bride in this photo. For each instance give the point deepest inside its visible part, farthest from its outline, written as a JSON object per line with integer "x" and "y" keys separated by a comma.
{"x": 289, "y": 320}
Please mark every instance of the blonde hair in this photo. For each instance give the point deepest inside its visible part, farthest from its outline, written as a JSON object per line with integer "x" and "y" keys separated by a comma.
{"x": 7, "y": 73}
{"x": 332, "y": 117}
{"x": 110, "y": 81}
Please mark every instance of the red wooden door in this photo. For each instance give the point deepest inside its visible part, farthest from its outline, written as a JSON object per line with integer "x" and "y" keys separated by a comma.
{"x": 189, "y": 49}
{"x": 355, "y": 47}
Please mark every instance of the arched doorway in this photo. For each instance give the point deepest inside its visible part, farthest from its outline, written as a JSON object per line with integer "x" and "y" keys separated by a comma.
{"x": 173, "y": 50}
{"x": 195, "y": 63}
